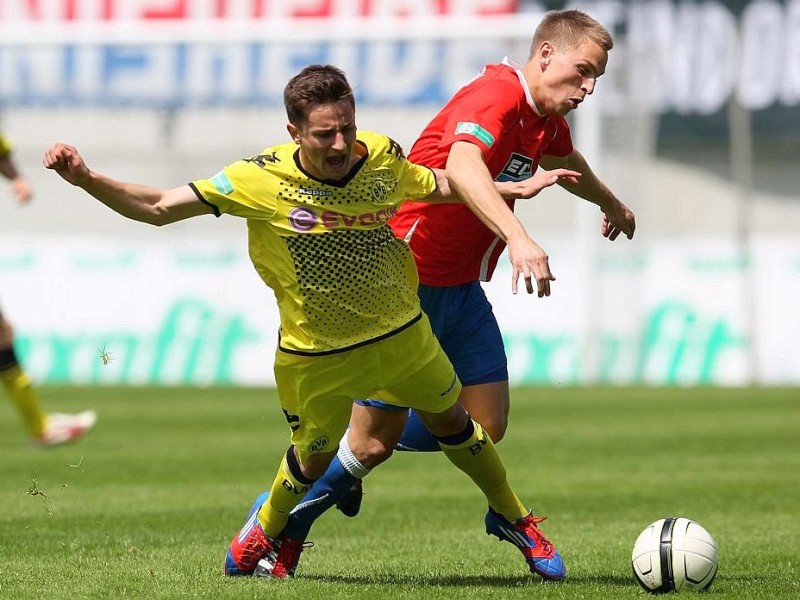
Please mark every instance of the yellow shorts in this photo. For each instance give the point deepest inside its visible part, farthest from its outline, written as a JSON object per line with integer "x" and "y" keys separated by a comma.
{"x": 317, "y": 392}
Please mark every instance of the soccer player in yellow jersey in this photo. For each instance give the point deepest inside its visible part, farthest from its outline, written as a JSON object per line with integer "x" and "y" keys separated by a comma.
{"x": 351, "y": 324}
{"x": 43, "y": 429}
{"x": 8, "y": 169}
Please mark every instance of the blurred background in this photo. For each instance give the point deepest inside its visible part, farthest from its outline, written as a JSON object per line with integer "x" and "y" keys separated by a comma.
{"x": 696, "y": 126}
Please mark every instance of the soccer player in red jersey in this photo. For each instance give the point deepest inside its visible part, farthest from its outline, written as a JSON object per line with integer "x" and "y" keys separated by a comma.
{"x": 501, "y": 126}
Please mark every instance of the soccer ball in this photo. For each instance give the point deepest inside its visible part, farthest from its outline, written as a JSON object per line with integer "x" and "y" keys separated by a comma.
{"x": 674, "y": 554}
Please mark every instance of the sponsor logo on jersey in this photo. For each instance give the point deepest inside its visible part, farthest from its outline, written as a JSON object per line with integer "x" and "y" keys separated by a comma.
{"x": 518, "y": 168}
{"x": 313, "y": 192}
{"x": 221, "y": 182}
{"x": 334, "y": 220}
{"x": 305, "y": 219}
{"x": 476, "y": 131}
{"x": 302, "y": 219}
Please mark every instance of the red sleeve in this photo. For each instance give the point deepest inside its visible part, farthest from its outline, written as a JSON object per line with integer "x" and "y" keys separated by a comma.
{"x": 485, "y": 108}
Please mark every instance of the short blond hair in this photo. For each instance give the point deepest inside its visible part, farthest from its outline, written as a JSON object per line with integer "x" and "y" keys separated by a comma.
{"x": 570, "y": 28}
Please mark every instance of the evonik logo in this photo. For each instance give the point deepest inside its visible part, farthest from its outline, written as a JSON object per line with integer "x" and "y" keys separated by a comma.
{"x": 305, "y": 219}
{"x": 334, "y": 220}
{"x": 302, "y": 219}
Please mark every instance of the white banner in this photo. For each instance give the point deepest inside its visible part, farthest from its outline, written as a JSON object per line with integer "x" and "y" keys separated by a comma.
{"x": 669, "y": 55}
{"x": 189, "y": 311}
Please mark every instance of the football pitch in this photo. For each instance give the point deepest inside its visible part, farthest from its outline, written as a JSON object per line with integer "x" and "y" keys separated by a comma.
{"x": 146, "y": 505}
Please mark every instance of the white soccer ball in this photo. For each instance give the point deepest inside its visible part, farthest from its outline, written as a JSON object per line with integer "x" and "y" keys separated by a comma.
{"x": 674, "y": 554}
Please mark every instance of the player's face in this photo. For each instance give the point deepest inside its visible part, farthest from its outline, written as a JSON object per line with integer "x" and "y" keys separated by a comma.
{"x": 568, "y": 75}
{"x": 327, "y": 140}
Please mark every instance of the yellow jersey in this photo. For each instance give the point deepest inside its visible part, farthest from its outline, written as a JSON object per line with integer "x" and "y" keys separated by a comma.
{"x": 340, "y": 276}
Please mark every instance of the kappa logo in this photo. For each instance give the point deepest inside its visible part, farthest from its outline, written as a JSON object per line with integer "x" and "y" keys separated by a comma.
{"x": 312, "y": 192}
{"x": 262, "y": 159}
{"x": 293, "y": 420}
{"x": 395, "y": 149}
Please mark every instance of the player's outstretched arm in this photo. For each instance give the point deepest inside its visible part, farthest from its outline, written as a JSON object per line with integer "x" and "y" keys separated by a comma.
{"x": 528, "y": 188}
{"x": 470, "y": 179}
{"x": 509, "y": 190}
{"x": 19, "y": 185}
{"x": 138, "y": 202}
{"x": 443, "y": 194}
{"x": 617, "y": 218}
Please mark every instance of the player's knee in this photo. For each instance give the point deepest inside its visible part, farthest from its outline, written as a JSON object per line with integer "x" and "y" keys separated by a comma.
{"x": 370, "y": 453}
{"x": 496, "y": 428}
{"x": 450, "y": 422}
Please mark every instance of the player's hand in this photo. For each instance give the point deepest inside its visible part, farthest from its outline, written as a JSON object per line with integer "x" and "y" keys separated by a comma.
{"x": 67, "y": 162}
{"x": 530, "y": 261}
{"x": 543, "y": 178}
{"x": 618, "y": 219}
{"x": 21, "y": 189}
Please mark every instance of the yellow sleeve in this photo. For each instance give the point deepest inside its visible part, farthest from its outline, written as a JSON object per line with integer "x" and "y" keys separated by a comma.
{"x": 241, "y": 189}
{"x": 414, "y": 181}
{"x": 5, "y": 146}
{"x": 420, "y": 181}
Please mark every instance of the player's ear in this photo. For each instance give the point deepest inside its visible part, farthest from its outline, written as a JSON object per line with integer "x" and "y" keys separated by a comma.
{"x": 546, "y": 51}
{"x": 293, "y": 132}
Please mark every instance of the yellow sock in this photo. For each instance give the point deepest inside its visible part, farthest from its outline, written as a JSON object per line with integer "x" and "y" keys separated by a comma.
{"x": 478, "y": 458}
{"x": 288, "y": 489}
{"x": 19, "y": 387}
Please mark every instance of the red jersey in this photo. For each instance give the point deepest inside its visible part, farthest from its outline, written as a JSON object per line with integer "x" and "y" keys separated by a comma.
{"x": 495, "y": 112}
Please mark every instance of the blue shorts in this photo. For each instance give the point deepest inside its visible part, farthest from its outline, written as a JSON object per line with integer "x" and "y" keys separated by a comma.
{"x": 462, "y": 319}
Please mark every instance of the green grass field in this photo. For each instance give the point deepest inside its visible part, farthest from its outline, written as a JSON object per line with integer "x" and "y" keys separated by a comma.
{"x": 146, "y": 505}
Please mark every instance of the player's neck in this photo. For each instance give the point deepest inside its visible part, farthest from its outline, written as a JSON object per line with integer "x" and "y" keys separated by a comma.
{"x": 531, "y": 77}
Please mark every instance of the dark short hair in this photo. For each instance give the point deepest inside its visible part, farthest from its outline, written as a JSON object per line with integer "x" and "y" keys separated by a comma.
{"x": 570, "y": 28}
{"x": 313, "y": 86}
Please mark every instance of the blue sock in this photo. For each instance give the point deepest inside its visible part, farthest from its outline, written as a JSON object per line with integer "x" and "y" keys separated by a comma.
{"x": 416, "y": 438}
{"x": 334, "y": 484}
